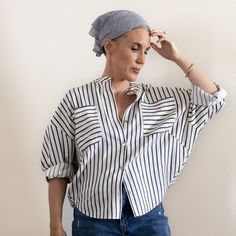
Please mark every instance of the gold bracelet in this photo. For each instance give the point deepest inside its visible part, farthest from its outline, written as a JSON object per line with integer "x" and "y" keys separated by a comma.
{"x": 189, "y": 70}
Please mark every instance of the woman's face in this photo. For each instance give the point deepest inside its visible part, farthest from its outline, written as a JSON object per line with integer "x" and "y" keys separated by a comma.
{"x": 129, "y": 54}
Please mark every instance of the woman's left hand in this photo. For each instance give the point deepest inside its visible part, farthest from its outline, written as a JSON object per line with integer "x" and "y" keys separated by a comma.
{"x": 167, "y": 48}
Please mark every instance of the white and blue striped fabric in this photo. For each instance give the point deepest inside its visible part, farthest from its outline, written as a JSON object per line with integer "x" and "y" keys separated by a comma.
{"x": 87, "y": 143}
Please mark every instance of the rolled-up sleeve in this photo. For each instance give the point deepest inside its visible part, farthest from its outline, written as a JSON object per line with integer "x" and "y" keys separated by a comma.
{"x": 195, "y": 107}
{"x": 58, "y": 148}
{"x": 214, "y": 102}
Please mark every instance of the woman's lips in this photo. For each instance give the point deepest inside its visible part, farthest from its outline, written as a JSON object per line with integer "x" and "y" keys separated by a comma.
{"x": 135, "y": 70}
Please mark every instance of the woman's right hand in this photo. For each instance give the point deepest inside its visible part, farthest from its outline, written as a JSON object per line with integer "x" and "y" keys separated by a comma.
{"x": 58, "y": 232}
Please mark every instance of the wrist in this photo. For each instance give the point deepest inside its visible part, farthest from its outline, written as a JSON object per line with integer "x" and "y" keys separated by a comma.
{"x": 56, "y": 226}
{"x": 183, "y": 62}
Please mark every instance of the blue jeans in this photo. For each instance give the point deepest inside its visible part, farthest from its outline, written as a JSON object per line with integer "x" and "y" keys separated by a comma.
{"x": 154, "y": 223}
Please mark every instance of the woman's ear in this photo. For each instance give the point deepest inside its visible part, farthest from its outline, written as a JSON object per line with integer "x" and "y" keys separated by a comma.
{"x": 108, "y": 46}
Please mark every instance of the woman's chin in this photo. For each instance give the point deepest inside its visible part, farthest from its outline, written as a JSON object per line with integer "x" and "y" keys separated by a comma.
{"x": 132, "y": 77}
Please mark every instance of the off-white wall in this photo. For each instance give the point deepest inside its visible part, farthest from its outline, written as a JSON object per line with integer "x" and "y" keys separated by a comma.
{"x": 45, "y": 50}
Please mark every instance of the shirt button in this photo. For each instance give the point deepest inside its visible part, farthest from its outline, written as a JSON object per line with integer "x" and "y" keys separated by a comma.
{"x": 124, "y": 145}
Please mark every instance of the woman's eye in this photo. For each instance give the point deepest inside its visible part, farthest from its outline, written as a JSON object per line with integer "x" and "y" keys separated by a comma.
{"x": 134, "y": 49}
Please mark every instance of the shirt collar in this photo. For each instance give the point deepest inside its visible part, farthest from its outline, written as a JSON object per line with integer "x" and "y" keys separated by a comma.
{"x": 102, "y": 79}
{"x": 135, "y": 88}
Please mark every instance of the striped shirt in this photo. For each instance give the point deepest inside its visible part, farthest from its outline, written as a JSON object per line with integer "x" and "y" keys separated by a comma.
{"x": 87, "y": 143}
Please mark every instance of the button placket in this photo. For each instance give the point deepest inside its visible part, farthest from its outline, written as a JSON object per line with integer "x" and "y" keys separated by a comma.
{"x": 124, "y": 156}
{"x": 124, "y": 145}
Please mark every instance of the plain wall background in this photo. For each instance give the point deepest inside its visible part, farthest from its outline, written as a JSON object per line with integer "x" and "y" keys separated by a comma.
{"x": 45, "y": 50}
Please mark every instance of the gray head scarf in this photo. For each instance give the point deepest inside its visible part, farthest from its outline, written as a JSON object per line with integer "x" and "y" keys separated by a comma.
{"x": 112, "y": 25}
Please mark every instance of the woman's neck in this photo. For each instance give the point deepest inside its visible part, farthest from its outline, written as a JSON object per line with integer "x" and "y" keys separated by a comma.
{"x": 118, "y": 85}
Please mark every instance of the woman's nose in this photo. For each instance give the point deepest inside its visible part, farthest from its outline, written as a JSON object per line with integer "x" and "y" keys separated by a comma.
{"x": 141, "y": 58}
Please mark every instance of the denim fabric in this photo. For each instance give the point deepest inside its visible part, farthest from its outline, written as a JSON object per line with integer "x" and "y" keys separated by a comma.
{"x": 150, "y": 224}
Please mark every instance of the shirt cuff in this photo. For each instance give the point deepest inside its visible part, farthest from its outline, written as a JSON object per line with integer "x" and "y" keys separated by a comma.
{"x": 220, "y": 93}
{"x": 202, "y": 98}
{"x": 61, "y": 170}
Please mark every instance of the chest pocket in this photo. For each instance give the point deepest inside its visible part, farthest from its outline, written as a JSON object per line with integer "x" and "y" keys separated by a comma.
{"x": 159, "y": 116}
{"x": 88, "y": 128}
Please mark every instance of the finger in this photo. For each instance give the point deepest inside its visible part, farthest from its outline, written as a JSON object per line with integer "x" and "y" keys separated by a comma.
{"x": 163, "y": 40}
{"x": 159, "y": 36}
{"x": 155, "y": 47}
{"x": 158, "y": 33}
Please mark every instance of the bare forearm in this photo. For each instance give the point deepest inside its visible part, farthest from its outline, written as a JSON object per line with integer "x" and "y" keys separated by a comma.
{"x": 56, "y": 196}
{"x": 196, "y": 77}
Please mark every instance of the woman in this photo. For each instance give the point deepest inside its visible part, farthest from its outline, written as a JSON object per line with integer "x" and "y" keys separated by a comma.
{"x": 121, "y": 144}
